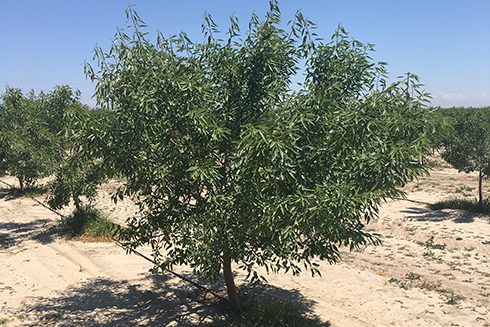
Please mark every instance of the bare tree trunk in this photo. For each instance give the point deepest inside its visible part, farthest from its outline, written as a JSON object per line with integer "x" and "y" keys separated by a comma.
{"x": 230, "y": 284}
{"x": 480, "y": 198}
{"x": 77, "y": 206}
{"x": 21, "y": 184}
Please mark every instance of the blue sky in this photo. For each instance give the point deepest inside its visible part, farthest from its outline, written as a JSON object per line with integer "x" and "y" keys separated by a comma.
{"x": 445, "y": 42}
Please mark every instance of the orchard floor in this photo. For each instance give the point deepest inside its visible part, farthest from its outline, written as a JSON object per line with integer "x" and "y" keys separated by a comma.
{"x": 45, "y": 279}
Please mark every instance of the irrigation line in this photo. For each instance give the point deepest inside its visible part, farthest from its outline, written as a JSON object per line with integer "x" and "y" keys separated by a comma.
{"x": 415, "y": 201}
{"x": 47, "y": 207}
{"x": 44, "y": 205}
{"x": 138, "y": 253}
{"x": 11, "y": 186}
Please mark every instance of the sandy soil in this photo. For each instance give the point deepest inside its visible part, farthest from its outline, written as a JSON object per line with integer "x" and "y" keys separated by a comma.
{"x": 45, "y": 279}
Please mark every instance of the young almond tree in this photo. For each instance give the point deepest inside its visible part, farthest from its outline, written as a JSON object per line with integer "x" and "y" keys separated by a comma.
{"x": 25, "y": 139}
{"x": 468, "y": 148}
{"x": 33, "y": 131}
{"x": 232, "y": 165}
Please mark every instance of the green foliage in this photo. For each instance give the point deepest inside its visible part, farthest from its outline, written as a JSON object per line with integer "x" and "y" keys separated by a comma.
{"x": 71, "y": 183}
{"x": 88, "y": 222}
{"x": 412, "y": 276}
{"x": 78, "y": 176}
{"x": 441, "y": 131}
{"x": 463, "y": 204}
{"x": 404, "y": 285}
{"x": 468, "y": 147}
{"x": 61, "y": 109}
{"x": 280, "y": 313}
{"x": 453, "y": 299}
{"x": 430, "y": 245}
{"x": 24, "y": 138}
{"x": 230, "y": 164}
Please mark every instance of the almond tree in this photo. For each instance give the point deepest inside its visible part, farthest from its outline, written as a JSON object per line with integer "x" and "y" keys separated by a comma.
{"x": 468, "y": 147}
{"x": 232, "y": 164}
{"x": 24, "y": 138}
{"x": 33, "y": 131}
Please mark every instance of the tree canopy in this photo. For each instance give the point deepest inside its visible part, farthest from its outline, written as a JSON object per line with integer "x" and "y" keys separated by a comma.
{"x": 77, "y": 177}
{"x": 233, "y": 163}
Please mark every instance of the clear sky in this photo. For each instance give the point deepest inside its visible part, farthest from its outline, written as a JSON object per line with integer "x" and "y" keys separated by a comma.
{"x": 445, "y": 42}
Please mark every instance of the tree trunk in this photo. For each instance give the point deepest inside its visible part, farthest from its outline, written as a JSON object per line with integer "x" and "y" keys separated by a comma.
{"x": 480, "y": 196}
{"x": 230, "y": 284}
{"x": 21, "y": 184}
{"x": 77, "y": 206}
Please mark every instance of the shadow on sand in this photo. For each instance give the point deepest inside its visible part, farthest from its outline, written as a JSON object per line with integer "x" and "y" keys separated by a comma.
{"x": 155, "y": 300}
{"x": 6, "y": 195}
{"x": 429, "y": 215}
{"x": 43, "y": 231}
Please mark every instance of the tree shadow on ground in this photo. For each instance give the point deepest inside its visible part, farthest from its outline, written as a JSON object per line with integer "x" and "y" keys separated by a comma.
{"x": 12, "y": 193}
{"x": 43, "y": 231}
{"x": 6, "y": 195}
{"x": 429, "y": 215}
{"x": 155, "y": 300}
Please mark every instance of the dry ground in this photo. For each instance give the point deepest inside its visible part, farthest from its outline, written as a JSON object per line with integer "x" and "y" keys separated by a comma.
{"x": 432, "y": 270}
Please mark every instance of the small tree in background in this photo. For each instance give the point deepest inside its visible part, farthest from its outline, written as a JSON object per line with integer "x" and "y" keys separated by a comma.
{"x": 24, "y": 138}
{"x": 32, "y": 132}
{"x": 229, "y": 164}
{"x": 468, "y": 147}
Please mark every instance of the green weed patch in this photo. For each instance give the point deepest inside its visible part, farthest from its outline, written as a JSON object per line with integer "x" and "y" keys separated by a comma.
{"x": 89, "y": 224}
{"x": 281, "y": 313}
{"x": 463, "y": 204}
